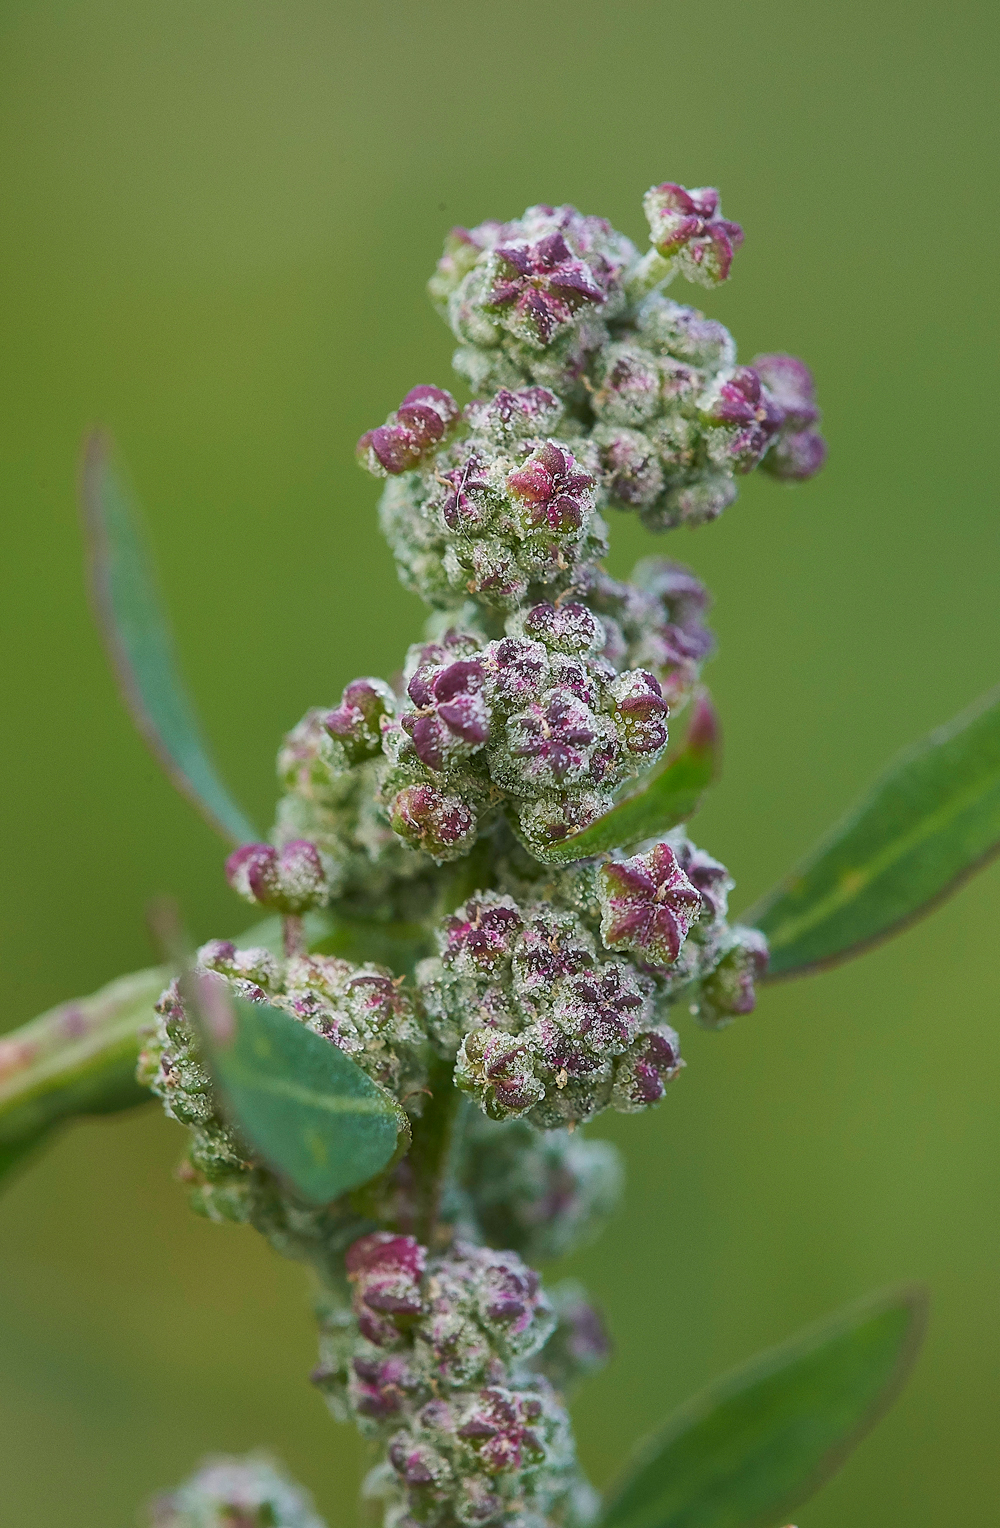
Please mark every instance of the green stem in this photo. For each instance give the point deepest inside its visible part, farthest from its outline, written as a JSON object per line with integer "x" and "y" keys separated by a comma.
{"x": 427, "y": 1159}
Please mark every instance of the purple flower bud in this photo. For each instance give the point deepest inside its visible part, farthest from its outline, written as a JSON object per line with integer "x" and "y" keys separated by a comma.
{"x": 604, "y": 1008}
{"x": 790, "y": 385}
{"x": 518, "y": 670}
{"x": 386, "y": 1271}
{"x": 729, "y": 990}
{"x": 556, "y": 496}
{"x": 643, "y": 1072}
{"x": 539, "y": 287}
{"x": 630, "y": 466}
{"x": 707, "y": 875}
{"x": 417, "y": 427}
{"x": 686, "y": 223}
{"x": 433, "y": 820}
{"x": 630, "y": 387}
{"x": 499, "y": 1427}
{"x": 795, "y": 457}
{"x": 648, "y": 905}
{"x": 454, "y": 719}
{"x": 291, "y": 880}
{"x": 554, "y": 739}
{"x": 551, "y": 946}
{"x": 511, "y": 416}
{"x": 355, "y": 722}
{"x": 741, "y": 403}
{"x": 569, "y": 628}
{"x": 498, "y": 1069}
{"x": 641, "y": 712}
{"x": 379, "y": 1386}
{"x": 482, "y": 932}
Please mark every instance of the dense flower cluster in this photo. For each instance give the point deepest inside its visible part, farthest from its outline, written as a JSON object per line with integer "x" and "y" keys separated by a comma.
{"x": 542, "y": 688}
{"x": 249, "y": 1492}
{"x": 538, "y": 720}
{"x": 436, "y": 1363}
{"x": 544, "y": 1029}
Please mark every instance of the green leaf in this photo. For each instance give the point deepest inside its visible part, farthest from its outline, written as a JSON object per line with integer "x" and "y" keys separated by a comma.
{"x": 926, "y": 825}
{"x": 137, "y": 634}
{"x": 759, "y": 1442}
{"x": 671, "y": 797}
{"x": 311, "y": 1113}
{"x": 76, "y": 1059}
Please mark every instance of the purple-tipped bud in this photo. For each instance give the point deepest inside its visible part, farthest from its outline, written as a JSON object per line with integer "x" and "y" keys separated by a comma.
{"x": 641, "y": 712}
{"x": 644, "y": 1071}
{"x": 290, "y": 880}
{"x": 686, "y": 225}
{"x": 433, "y": 820}
{"x": 386, "y": 1271}
{"x": 378, "y": 1386}
{"x": 604, "y": 1008}
{"x": 571, "y": 629}
{"x": 498, "y": 1069}
{"x": 648, "y": 905}
{"x": 740, "y": 402}
{"x": 537, "y": 288}
{"x": 453, "y": 712}
{"x": 554, "y": 739}
{"x": 555, "y": 493}
{"x": 630, "y": 466}
{"x": 355, "y": 722}
{"x": 630, "y": 387}
{"x": 510, "y": 416}
{"x": 794, "y": 458}
{"x": 418, "y": 427}
{"x": 482, "y": 933}
{"x": 800, "y": 450}
{"x": 729, "y": 990}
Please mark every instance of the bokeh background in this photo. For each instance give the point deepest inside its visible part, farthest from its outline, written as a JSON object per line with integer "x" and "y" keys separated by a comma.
{"x": 217, "y": 221}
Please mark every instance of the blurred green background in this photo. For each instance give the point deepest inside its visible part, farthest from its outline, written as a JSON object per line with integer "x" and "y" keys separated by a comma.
{"x": 217, "y": 221}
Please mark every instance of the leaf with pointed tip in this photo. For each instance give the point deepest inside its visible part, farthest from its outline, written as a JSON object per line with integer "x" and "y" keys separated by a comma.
{"x": 78, "y": 1058}
{"x": 757, "y": 1443}
{"x": 138, "y": 638}
{"x": 928, "y": 823}
{"x": 671, "y": 797}
{"x": 312, "y": 1114}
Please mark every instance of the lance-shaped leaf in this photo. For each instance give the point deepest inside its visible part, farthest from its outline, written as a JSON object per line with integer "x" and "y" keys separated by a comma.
{"x": 672, "y": 796}
{"x": 76, "y": 1059}
{"x": 757, "y": 1443}
{"x": 926, "y": 825}
{"x": 309, "y": 1111}
{"x": 138, "y": 638}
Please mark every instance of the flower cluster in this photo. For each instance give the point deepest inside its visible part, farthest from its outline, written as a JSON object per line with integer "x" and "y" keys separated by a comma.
{"x": 530, "y": 300}
{"x": 538, "y": 720}
{"x": 435, "y": 1362}
{"x": 502, "y": 511}
{"x": 543, "y": 1028}
{"x": 542, "y": 686}
{"x": 226, "y": 1492}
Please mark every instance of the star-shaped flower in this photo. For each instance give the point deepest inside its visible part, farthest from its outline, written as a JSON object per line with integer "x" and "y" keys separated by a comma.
{"x": 648, "y": 905}
{"x": 539, "y": 287}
